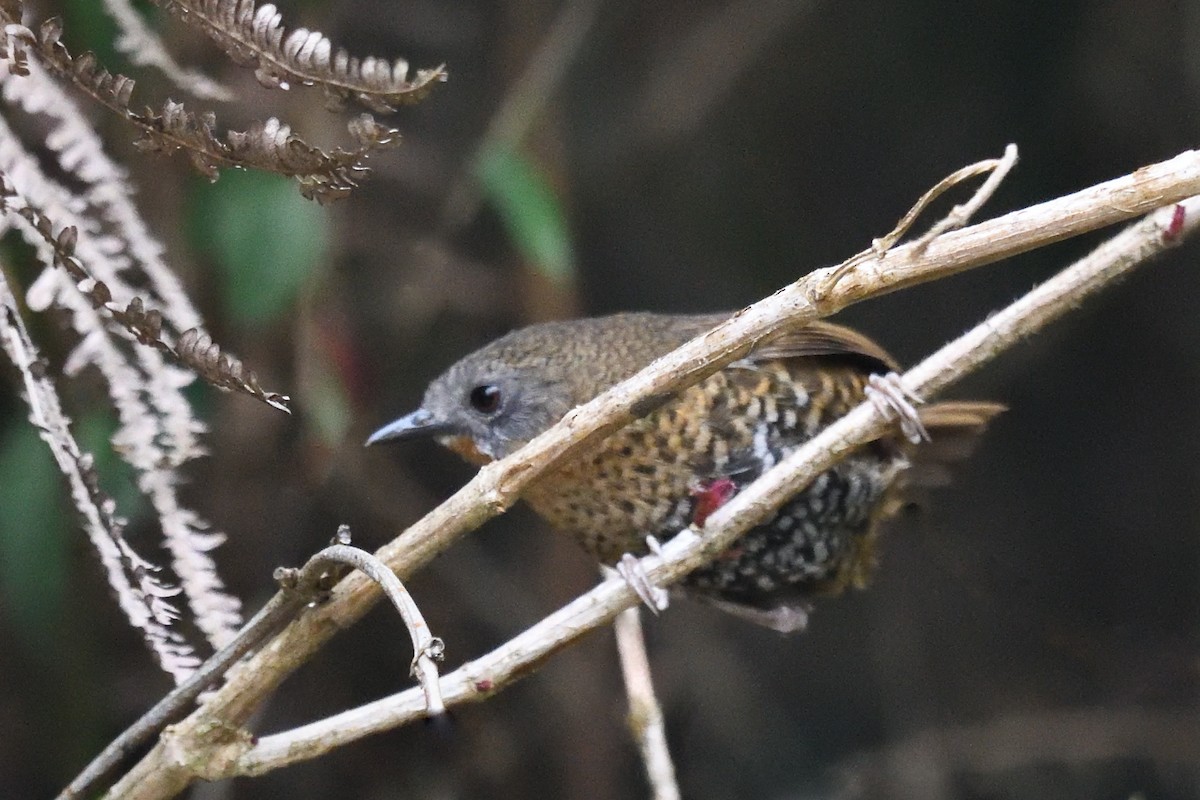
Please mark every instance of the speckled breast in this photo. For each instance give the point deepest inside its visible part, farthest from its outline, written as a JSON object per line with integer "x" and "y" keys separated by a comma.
{"x": 736, "y": 424}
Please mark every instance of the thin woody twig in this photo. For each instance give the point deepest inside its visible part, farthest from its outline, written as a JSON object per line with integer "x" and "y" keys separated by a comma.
{"x": 892, "y": 238}
{"x": 961, "y": 214}
{"x": 269, "y": 618}
{"x": 482, "y": 677}
{"x": 958, "y": 216}
{"x": 645, "y": 715}
{"x": 427, "y": 648}
{"x": 498, "y": 485}
{"x": 302, "y": 586}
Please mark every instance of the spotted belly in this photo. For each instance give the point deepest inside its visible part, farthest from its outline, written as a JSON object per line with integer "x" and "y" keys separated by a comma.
{"x": 819, "y": 542}
{"x": 734, "y": 426}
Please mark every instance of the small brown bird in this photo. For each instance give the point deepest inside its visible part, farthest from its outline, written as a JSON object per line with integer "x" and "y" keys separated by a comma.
{"x": 673, "y": 467}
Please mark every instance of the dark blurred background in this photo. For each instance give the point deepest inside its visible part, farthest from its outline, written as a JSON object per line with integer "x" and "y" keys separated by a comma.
{"x": 1033, "y": 631}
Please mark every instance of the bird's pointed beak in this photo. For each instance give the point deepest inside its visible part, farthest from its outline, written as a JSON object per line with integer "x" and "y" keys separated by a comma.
{"x": 420, "y": 424}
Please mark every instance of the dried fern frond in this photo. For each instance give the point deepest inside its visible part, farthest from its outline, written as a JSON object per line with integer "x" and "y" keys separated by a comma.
{"x": 269, "y": 146}
{"x": 141, "y": 595}
{"x": 194, "y": 349}
{"x": 109, "y": 196}
{"x": 254, "y": 36}
{"x": 144, "y": 48}
{"x": 157, "y": 432}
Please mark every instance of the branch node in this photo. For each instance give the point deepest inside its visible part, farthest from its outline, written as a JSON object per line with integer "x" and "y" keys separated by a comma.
{"x": 287, "y": 578}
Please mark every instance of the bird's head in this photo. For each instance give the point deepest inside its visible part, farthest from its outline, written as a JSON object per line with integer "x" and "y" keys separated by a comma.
{"x": 483, "y": 408}
{"x": 496, "y": 399}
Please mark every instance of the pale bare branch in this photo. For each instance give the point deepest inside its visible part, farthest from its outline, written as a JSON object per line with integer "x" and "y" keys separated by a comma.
{"x": 497, "y": 486}
{"x": 298, "y": 587}
{"x": 269, "y": 618}
{"x": 645, "y": 714}
{"x": 688, "y": 550}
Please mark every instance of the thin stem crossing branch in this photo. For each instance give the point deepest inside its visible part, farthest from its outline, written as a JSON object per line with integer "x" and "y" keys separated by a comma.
{"x": 427, "y": 648}
{"x": 645, "y": 714}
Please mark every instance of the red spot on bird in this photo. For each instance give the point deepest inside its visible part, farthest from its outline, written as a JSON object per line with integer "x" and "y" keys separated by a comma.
{"x": 710, "y": 496}
{"x": 1175, "y": 226}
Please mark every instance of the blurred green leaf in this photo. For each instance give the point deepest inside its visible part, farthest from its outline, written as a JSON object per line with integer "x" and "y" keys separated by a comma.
{"x": 328, "y": 407}
{"x": 530, "y": 210}
{"x": 265, "y": 238}
{"x": 87, "y": 26}
{"x": 34, "y": 532}
{"x": 36, "y": 524}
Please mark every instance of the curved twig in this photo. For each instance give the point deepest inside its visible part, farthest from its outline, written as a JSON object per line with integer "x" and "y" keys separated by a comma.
{"x": 427, "y": 648}
{"x": 959, "y": 215}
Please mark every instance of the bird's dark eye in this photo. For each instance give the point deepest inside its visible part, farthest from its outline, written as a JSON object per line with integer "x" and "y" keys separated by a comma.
{"x": 485, "y": 399}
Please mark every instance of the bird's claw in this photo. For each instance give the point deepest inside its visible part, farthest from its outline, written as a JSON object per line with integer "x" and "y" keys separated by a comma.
{"x": 631, "y": 571}
{"x": 896, "y": 401}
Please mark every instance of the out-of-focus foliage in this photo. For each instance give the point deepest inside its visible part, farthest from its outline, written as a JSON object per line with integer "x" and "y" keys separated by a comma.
{"x": 533, "y": 215}
{"x": 37, "y": 528}
{"x": 35, "y": 533}
{"x": 265, "y": 240}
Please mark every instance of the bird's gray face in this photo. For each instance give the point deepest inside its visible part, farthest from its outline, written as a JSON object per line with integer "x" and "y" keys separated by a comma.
{"x": 483, "y": 410}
